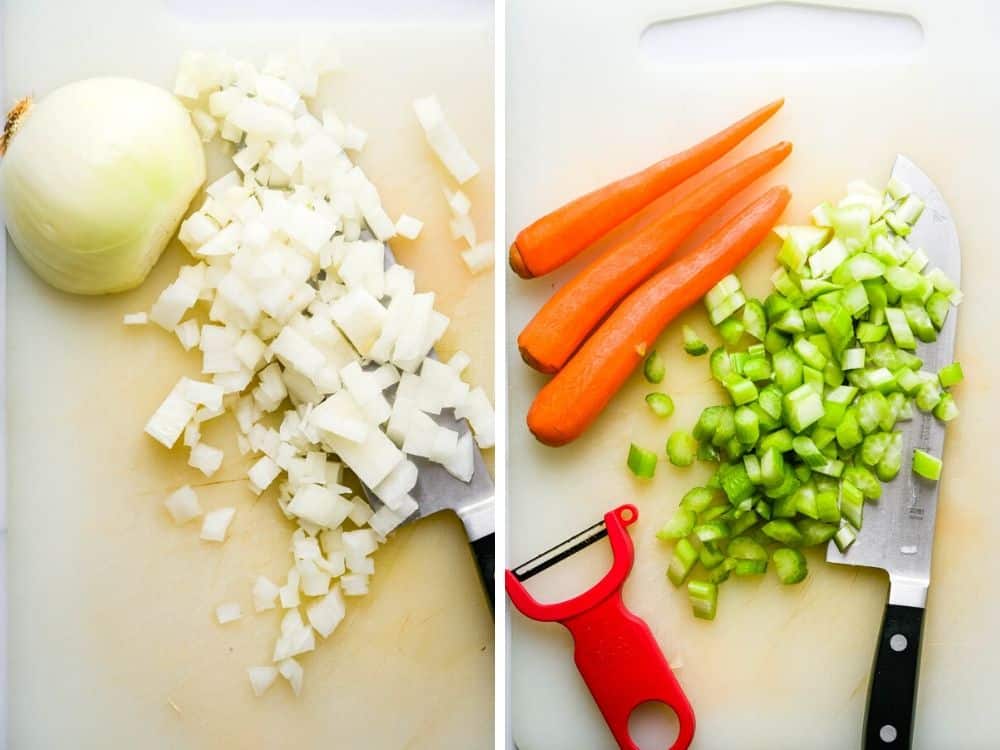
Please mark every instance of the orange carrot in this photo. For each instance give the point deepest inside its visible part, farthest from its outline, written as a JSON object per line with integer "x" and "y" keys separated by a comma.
{"x": 561, "y": 235}
{"x": 562, "y": 324}
{"x": 569, "y": 402}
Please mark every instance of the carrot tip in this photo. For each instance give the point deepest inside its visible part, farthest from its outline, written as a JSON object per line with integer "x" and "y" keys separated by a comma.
{"x": 534, "y": 364}
{"x": 517, "y": 263}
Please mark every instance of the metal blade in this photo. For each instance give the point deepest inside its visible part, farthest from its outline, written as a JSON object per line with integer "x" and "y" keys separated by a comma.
{"x": 897, "y": 534}
{"x": 437, "y": 490}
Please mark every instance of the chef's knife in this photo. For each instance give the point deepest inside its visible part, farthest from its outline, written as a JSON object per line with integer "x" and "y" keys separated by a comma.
{"x": 437, "y": 491}
{"x": 898, "y": 531}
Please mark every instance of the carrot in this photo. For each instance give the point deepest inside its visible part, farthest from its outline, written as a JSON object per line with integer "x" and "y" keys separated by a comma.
{"x": 561, "y": 235}
{"x": 562, "y": 324}
{"x": 569, "y": 402}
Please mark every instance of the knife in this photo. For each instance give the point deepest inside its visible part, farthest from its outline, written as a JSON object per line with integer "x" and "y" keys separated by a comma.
{"x": 898, "y": 531}
{"x": 438, "y": 491}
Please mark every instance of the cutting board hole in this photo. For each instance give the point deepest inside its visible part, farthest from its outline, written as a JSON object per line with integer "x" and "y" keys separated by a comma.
{"x": 783, "y": 32}
{"x": 341, "y": 11}
{"x": 653, "y": 725}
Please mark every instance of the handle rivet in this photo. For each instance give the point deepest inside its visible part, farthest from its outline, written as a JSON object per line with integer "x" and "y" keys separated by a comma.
{"x": 898, "y": 642}
{"x": 887, "y": 733}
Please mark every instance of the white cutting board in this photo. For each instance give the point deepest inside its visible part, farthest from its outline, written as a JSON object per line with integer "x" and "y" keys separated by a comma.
{"x": 781, "y": 668}
{"x": 113, "y": 643}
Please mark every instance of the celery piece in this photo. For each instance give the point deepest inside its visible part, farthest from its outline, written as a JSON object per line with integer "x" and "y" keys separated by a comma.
{"x": 721, "y": 572}
{"x": 828, "y": 506}
{"x": 873, "y": 408}
{"x": 660, "y": 404}
{"x": 815, "y": 532}
{"x": 919, "y": 321}
{"x": 790, "y": 565}
{"x": 726, "y": 428}
{"x": 806, "y": 449}
{"x": 802, "y": 407}
{"x": 720, "y": 364}
{"x": 929, "y": 395}
{"x": 791, "y": 322}
{"x": 864, "y": 480}
{"x": 937, "y": 307}
{"x": 680, "y": 525}
{"x": 726, "y": 287}
{"x": 787, "y": 370}
{"x": 874, "y": 447}
{"x": 641, "y": 461}
{"x": 868, "y": 333}
{"x": 712, "y": 531}
{"x": 852, "y": 503}
{"x": 747, "y": 426}
{"x": 775, "y": 341}
{"x": 754, "y": 319}
{"x": 844, "y": 537}
{"x": 757, "y": 369}
{"x": 781, "y": 439}
{"x": 681, "y": 561}
{"x": 654, "y": 369}
{"x": 751, "y": 464}
{"x": 849, "y": 433}
{"x": 782, "y": 530}
{"x": 946, "y": 410}
{"x": 710, "y": 555}
{"x": 741, "y": 390}
{"x": 699, "y": 498}
{"x": 926, "y": 465}
{"x": 707, "y": 423}
{"x": 750, "y": 567}
{"x": 681, "y": 447}
{"x": 731, "y": 330}
{"x": 809, "y": 353}
{"x": 736, "y": 483}
{"x": 892, "y": 461}
{"x": 852, "y": 359}
{"x": 692, "y": 344}
{"x": 950, "y": 375}
{"x": 772, "y": 467}
{"x": 704, "y": 598}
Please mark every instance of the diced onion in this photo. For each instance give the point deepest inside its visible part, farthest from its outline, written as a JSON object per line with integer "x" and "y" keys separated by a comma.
{"x": 216, "y": 524}
{"x": 261, "y": 678}
{"x": 228, "y": 612}
{"x": 183, "y": 505}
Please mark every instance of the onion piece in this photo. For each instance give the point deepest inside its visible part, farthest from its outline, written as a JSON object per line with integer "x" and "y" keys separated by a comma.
{"x": 228, "y": 612}
{"x": 135, "y": 319}
{"x": 265, "y": 594}
{"x": 479, "y": 258}
{"x": 261, "y": 678}
{"x": 292, "y": 671}
{"x": 183, "y": 505}
{"x": 443, "y": 140}
{"x": 216, "y": 524}
{"x": 408, "y": 227}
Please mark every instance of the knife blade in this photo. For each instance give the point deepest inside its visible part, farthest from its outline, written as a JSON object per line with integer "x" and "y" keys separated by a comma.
{"x": 898, "y": 531}
{"x": 437, "y": 491}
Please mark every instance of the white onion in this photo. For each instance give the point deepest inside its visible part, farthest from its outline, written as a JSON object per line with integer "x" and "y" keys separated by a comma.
{"x": 265, "y": 594}
{"x": 228, "y": 612}
{"x": 327, "y": 613}
{"x": 96, "y": 178}
{"x": 135, "y": 319}
{"x": 443, "y": 140}
{"x": 216, "y": 524}
{"x": 206, "y": 458}
{"x": 479, "y": 258}
{"x": 261, "y": 678}
{"x": 292, "y": 671}
{"x": 183, "y": 505}
{"x": 409, "y": 227}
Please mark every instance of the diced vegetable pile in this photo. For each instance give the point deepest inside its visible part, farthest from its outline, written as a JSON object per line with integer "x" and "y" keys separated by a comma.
{"x": 808, "y": 435}
{"x": 301, "y": 331}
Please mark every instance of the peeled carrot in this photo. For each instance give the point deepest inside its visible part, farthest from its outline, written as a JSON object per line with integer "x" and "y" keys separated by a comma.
{"x": 561, "y": 235}
{"x": 569, "y": 402}
{"x": 550, "y": 339}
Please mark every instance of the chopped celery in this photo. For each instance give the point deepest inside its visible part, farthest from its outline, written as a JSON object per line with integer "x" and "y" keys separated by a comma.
{"x": 692, "y": 344}
{"x": 681, "y": 448}
{"x": 704, "y": 597}
{"x": 660, "y": 404}
{"x": 946, "y": 410}
{"x": 754, "y": 319}
{"x": 708, "y": 423}
{"x": 654, "y": 368}
{"x": 926, "y": 465}
{"x": 789, "y": 564}
{"x": 802, "y": 407}
{"x": 682, "y": 561}
{"x": 745, "y": 548}
{"x": 747, "y": 426}
{"x": 680, "y": 525}
{"x": 699, "y": 498}
{"x": 750, "y": 567}
{"x": 950, "y": 375}
{"x": 816, "y": 397}
{"x": 731, "y": 330}
{"x": 782, "y": 530}
{"x": 710, "y": 555}
{"x": 712, "y": 531}
{"x": 844, "y": 537}
{"x": 641, "y": 461}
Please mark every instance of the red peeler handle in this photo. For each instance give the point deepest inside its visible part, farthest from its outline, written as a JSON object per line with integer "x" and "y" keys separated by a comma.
{"x": 623, "y": 666}
{"x": 615, "y": 651}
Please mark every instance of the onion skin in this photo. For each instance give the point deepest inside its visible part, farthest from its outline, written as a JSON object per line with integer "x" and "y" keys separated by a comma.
{"x": 95, "y": 180}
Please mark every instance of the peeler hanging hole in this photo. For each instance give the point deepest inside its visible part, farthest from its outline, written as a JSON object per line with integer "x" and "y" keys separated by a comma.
{"x": 629, "y": 514}
{"x": 653, "y": 725}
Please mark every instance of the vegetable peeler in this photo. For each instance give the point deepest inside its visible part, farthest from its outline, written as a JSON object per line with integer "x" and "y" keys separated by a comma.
{"x": 615, "y": 651}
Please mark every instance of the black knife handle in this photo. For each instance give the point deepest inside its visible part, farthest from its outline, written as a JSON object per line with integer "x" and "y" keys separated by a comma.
{"x": 892, "y": 696}
{"x": 484, "y": 550}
